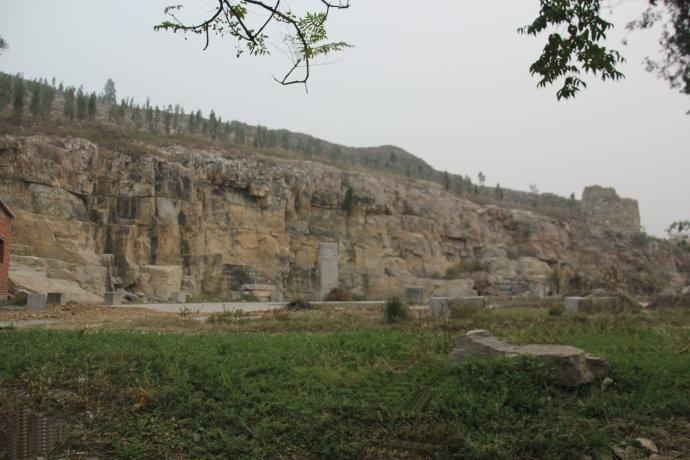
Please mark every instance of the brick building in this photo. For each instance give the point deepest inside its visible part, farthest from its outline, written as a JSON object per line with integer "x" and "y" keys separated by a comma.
{"x": 6, "y": 217}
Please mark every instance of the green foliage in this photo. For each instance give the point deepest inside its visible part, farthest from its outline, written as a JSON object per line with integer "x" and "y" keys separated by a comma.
{"x": 35, "y": 104}
{"x": 305, "y": 36}
{"x": 498, "y": 191}
{"x": 109, "y": 94}
{"x": 395, "y": 310}
{"x": 348, "y": 204}
{"x": 3, "y": 45}
{"x": 680, "y": 232}
{"x": 5, "y": 89}
{"x": 573, "y": 47}
{"x": 342, "y": 394}
{"x": 47, "y": 99}
{"x": 91, "y": 107}
{"x": 69, "y": 103}
{"x": 18, "y": 100}
{"x": 556, "y": 310}
{"x": 82, "y": 104}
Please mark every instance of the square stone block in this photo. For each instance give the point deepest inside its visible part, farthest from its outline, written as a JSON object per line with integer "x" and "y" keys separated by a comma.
{"x": 474, "y": 301}
{"x": 56, "y": 298}
{"x": 439, "y": 306}
{"x": 36, "y": 301}
{"x": 573, "y": 304}
{"x": 178, "y": 297}
{"x": 112, "y": 298}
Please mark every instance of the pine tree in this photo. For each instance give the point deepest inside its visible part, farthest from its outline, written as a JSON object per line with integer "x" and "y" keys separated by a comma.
{"x": 212, "y": 124}
{"x": 109, "y": 94}
{"x": 91, "y": 107}
{"x": 191, "y": 127}
{"x": 82, "y": 104}
{"x": 68, "y": 103}
{"x": 284, "y": 141}
{"x": 240, "y": 137}
{"x": 499, "y": 191}
{"x": 18, "y": 96}
{"x": 446, "y": 180}
{"x": 47, "y": 101}
{"x": 5, "y": 90}
{"x": 167, "y": 120}
{"x": 35, "y": 104}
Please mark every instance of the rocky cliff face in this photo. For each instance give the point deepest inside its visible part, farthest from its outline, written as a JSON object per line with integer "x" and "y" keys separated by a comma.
{"x": 91, "y": 219}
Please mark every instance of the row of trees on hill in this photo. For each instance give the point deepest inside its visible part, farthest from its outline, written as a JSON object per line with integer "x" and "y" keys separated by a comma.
{"x": 41, "y": 100}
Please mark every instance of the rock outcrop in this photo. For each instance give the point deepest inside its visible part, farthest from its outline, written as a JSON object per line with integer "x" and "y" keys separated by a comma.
{"x": 568, "y": 366}
{"x": 161, "y": 220}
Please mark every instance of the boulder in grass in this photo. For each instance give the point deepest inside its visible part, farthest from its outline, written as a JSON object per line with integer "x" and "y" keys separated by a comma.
{"x": 568, "y": 366}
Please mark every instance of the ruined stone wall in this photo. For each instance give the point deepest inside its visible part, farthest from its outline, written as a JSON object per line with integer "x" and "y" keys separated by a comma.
{"x": 603, "y": 207}
{"x": 190, "y": 220}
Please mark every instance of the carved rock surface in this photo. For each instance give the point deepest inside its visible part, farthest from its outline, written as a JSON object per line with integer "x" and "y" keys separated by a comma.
{"x": 229, "y": 218}
{"x": 569, "y": 366}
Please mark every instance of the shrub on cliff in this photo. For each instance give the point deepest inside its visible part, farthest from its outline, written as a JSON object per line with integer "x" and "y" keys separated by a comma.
{"x": 338, "y": 295}
{"x": 395, "y": 310}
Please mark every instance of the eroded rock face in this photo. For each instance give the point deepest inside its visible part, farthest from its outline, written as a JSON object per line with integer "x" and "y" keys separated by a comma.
{"x": 208, "y": 222}
{"x": 568, "y": 366}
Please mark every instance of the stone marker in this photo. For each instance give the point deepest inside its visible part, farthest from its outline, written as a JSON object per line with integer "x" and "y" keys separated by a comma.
{"x": 112, "y": 298}
{"x": 573, "y": 304}
{"x": 415, "y": 295}
{"x": 329, "y": 275}
{"x": 178, "y": 297}
{"x": 36, "y": 301}
{"x": 439, "y": 306}
{"x": 569, "y": 366}
{"x": 56, "y": 298}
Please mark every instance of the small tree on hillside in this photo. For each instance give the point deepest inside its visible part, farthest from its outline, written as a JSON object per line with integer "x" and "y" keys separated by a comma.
{"x": 109, "y": 94}
{"x": 91, "y": 107}
{"x": 481, "y": 178}
{"x": 348, "y": 204}
{"x": 240, "y": 137}
{"x": 499, "y": 192}
{"x": 446, "y": 180}
{"x": 5, "y": 90}
{"x": 18, "y": 100}
{"x": 35, "y": 104}
{"x": 68, "y": 103}
{"x": 47, "y": 101}
{"x": 82, "y": 104}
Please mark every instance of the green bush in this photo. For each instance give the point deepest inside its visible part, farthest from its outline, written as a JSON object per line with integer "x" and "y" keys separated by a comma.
{"x": 338, "y": 295}
{"x": 395, "y": 310}
{"x": 556, "y": 310}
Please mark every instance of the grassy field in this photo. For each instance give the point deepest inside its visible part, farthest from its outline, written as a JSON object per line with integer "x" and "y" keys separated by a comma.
{"x": 345, "y": 384}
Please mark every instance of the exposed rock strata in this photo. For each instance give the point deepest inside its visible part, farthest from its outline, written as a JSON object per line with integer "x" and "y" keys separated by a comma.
{"x": 195, "y": 221}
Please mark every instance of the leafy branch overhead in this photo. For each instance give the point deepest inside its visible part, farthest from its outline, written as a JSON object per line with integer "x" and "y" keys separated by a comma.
{"x": 574, "y": 49}
{"x": 304, "y": 39}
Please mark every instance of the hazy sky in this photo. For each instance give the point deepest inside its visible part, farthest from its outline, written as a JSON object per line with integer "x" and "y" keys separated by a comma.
{"x": 448, "y": 82}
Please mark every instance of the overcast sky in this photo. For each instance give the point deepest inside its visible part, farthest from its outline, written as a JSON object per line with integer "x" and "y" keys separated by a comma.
{"x": 449, "y": 82}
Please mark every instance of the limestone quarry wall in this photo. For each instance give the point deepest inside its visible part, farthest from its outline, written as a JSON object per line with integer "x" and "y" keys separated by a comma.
{"x": 91, "y": 219}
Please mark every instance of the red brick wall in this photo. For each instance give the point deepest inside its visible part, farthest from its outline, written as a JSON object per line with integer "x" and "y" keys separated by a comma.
{"x": 6, "y": 235}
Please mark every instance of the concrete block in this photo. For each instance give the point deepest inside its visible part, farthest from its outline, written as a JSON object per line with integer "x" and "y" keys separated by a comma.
{"x": 474, "y": 301}
{"x": 36, "y": 302}
{"x": 178, "y": 297}
{"x": 112, "y": 298}
{"x": 439, "y": 306}
{"x": 537, "y": 291}
{"x": 415, "y": 295}
{"x": 603, "y": 302}
{"x": 573, "y": 304}
{"x": 56, "y": 298}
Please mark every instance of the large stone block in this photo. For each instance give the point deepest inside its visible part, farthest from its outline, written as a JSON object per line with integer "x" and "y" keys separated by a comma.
{"x": 36, "y": 301}
{"x": 472, "y": 302}
{"x": 112, "y": 298}
{"x": 568, "y": 366}
{"x": 178, "y": 297}
{"x": 56, "y": 298}
{"x": 439, "y": 306}
{"x": 574, "y": 304}
{"x": 415, "y": 295}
